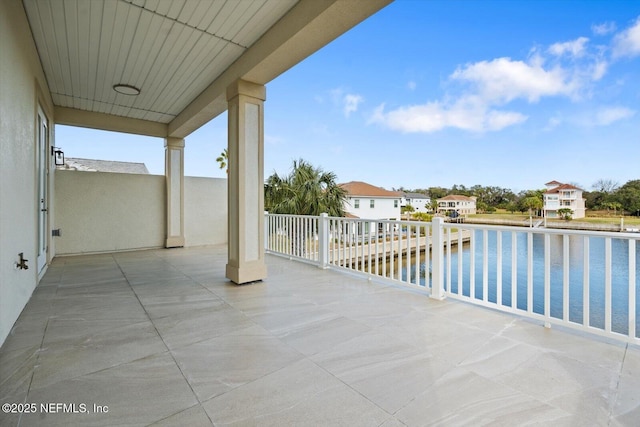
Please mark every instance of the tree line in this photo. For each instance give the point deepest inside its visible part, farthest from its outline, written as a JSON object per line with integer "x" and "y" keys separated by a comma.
{"x": 310, "y": 190}
{"x": 606, "y": 194}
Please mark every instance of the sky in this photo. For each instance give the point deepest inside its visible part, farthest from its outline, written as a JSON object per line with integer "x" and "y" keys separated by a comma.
{"x": 430, "y": 93}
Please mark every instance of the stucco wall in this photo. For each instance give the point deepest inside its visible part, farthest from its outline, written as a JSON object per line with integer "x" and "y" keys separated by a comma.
{"x": 105, "y": 212}
{"x": 20, "y": 77}
{"x": 205, "y": 211}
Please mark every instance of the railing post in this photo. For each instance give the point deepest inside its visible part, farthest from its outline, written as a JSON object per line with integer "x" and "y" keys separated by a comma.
{"x": 266, "y": 230}
{"x": 437, "y": 263}
{"x": 323, "y": 240}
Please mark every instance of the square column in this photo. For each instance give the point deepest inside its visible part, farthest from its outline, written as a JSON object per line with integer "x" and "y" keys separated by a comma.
{"x": 174, "y": 173}
{"x": 246, "y": 182}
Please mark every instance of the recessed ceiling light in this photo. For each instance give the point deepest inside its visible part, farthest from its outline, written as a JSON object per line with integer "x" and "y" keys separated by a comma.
{"x": 126, "y": 89}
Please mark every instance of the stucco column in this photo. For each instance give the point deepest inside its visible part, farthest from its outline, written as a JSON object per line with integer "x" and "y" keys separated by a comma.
{"x": 174, "y": 173}
{"x": 246, "y": 182}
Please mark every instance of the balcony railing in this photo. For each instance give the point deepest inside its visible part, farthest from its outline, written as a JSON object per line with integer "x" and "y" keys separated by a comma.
{"x": 578, "y": 279}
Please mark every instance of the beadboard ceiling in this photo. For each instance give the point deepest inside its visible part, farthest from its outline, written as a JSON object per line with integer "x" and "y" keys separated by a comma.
{"x": 180, "y": 54}
{"x": 170, "y": 49}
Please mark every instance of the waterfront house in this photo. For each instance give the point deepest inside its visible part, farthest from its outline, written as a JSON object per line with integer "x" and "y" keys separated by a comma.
{"x": 461, "y": 205}
{"x": 559, "y": 196}
{"x": 419, "y": 202}
{"x": 371, "y": 202}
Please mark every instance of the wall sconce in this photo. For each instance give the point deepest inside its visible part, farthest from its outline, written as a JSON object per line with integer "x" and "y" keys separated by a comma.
{"x": 58, "y": 156}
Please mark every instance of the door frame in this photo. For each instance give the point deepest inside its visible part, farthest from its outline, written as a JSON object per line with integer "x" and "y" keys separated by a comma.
{"x": 43, "y": 162}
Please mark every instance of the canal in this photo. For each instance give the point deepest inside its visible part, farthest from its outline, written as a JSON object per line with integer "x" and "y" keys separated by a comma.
{"x": 461, "y": 277}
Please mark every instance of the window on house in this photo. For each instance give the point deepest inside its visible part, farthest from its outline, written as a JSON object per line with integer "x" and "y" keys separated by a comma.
{"x": 372, "y": 203}
{"x": 395, "y": 203}
{"x": 356, "y": 203}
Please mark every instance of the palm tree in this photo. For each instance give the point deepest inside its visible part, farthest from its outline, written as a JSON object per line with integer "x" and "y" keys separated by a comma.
{"x": 223, "y": 159}
{"x": 531, "y": 203}
{"x": 307, "y": 190}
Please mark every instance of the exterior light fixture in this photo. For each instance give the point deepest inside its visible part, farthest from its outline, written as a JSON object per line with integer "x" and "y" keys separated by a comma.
{"x": 58, "y": 156}
{"x": 126, "y": 89}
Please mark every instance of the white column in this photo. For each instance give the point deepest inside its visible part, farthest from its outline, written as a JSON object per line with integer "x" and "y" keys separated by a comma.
{"x": 246, "y": 182}
{"x": 174, "y": 173}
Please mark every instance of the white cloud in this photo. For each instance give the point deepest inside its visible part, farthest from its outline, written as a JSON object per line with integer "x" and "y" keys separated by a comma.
{"x": 627, "y": 43}
{"x": 604, "y": 28}
{"x": 574, "y": 48}
{"x": 553, "y": 123}
{"x": 350, "y": 103}
{"x": 598, "y": 70}
{"x": 477, "y": 102}
{"x": 606, "y": 116}
{"x": 434, "y": 116}
{"x": 502, "y": 80}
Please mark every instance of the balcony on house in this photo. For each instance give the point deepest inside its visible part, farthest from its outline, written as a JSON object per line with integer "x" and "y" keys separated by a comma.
{"x": 117, "y": 305}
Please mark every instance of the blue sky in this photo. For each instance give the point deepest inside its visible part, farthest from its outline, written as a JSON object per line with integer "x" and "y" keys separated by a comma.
{"x": 435, "y": 93}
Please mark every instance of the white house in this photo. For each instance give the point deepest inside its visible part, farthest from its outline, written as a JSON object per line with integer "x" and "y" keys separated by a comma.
{"x": 371, "y": 202}
{"x": 559, "y": 196}
{"x": 420, "y": 202}
{"x": 462, "y": 205}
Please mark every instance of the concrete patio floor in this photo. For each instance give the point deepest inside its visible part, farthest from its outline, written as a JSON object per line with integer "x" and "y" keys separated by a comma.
{"x": 161, "y": 337}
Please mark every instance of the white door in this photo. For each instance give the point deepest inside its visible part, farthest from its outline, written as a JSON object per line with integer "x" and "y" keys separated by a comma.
{"x": 42, "y": 174}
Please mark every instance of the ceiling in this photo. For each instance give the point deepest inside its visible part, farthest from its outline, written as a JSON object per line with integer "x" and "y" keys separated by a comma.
{"x": 180, "y": 54}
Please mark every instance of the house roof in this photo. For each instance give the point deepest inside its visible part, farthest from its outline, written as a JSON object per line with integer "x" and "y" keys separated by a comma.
{"x": 415, "y": 196}
{"x": 359, "y": 188}
{"x": 457, "y": 198}
{"x": 562, "y": 187}
{"x": 93, "y": 165}
{"x": 181, "y": 55}
{"x": 553, "y": 183}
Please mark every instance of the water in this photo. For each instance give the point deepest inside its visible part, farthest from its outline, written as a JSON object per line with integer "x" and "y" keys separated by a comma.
{"x": 619, "y": 276}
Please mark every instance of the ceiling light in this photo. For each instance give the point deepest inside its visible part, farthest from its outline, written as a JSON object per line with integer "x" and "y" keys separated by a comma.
{"x": 126, "y": 89}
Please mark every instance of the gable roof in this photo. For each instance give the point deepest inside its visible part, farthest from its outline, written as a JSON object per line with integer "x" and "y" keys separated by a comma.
{"x": 359, "y": 188}
{"x": 554, "y": 182}
{"x": 94, "y": 165}
{"x": 562, "y": 187}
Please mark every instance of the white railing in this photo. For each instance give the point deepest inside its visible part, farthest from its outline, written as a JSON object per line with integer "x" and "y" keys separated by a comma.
{"x": 295, "y": 236}
{"x": 579, "y": 279}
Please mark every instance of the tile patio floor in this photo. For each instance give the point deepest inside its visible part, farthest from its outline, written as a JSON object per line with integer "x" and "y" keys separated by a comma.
{"x": 160, "y": 337}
